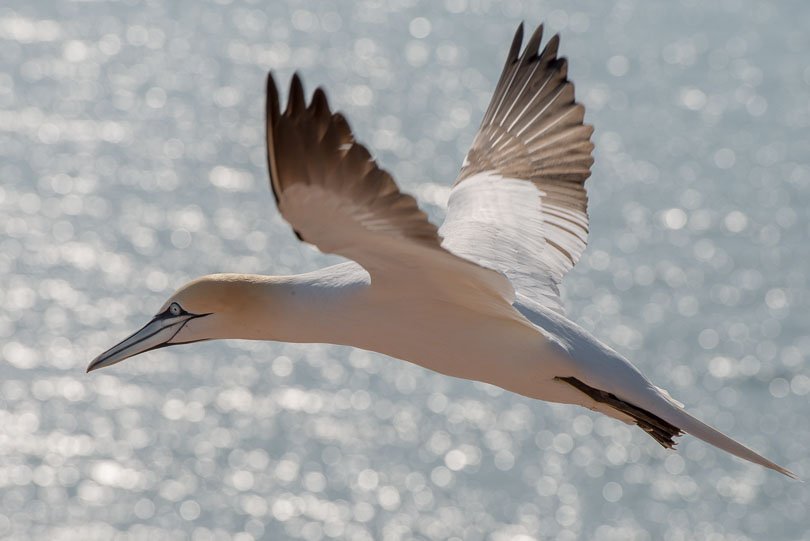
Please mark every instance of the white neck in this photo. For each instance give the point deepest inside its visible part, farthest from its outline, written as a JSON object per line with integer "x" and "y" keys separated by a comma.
{"x": 315, "y": 307}
{"x": 312, "y": 312}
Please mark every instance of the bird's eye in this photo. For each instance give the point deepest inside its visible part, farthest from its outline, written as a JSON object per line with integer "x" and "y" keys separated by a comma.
{"x": 174, "y": 309}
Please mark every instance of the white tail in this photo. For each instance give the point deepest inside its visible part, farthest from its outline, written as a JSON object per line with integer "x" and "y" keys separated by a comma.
{"x": 607, "y": 382}
{"x": 676, "y": 415}
{"x": 624, "y": 393}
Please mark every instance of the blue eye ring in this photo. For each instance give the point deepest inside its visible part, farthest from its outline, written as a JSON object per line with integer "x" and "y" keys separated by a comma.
{"x": 175, "y": 309}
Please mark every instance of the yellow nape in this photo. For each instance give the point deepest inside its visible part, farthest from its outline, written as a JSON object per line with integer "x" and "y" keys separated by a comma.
{"x": 218, "y": 293}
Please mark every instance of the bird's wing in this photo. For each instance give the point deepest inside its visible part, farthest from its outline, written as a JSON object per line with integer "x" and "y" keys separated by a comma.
{"x": 335, "y": 196}
{"x": 519, "y": 204}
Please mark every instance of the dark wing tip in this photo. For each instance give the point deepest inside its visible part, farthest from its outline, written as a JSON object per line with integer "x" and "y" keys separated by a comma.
{"x": 272, "y": 103}
{"x": 295, "y": 101}
{"x": 272, "y": 108}
{"x": 561, "y": 65}
{"x": 343, "y": 129}
{"x": 319, "y": 104}
{"x": 533, "y": 45}
{"x": 517, "y": 41}
{"x": 551, "y": 48}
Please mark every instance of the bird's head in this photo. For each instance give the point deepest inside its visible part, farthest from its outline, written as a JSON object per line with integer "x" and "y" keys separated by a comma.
{"x": 211, "y": 307}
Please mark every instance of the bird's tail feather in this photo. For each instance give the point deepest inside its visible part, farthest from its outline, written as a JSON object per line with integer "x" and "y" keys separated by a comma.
{"x": 662, "y": 431}
{"x": 665, "y": 419}
{"x": 678, "y": 416}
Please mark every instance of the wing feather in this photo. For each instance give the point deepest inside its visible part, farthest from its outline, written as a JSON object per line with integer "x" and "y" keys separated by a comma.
{"x": 312, "y": 150}
{"x": 333, "y": 194}
{"x": 532, "y": 132}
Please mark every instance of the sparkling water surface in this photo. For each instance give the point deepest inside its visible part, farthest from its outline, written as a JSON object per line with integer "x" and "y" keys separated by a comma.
{"x": 132, "y": 160}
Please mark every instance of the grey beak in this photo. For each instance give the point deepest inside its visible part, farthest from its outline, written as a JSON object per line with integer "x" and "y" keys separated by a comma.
{"x": 155, "y": 334}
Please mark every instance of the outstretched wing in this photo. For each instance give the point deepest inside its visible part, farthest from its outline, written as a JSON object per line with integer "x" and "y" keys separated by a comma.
{"x": 335, "y": 196}
{"x": 519, "y": 204}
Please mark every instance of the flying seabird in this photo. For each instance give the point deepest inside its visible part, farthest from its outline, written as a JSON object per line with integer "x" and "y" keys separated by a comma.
{"x": 477, "y": 298}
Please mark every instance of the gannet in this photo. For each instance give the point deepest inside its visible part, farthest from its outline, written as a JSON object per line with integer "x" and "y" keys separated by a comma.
{"x": 477, "y": 298}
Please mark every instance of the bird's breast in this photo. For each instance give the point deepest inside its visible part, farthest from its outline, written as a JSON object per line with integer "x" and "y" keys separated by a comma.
{"x": 454, "y": 341}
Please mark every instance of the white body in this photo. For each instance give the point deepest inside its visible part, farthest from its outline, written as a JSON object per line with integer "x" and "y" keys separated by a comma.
{"x": 477, "y": 299}
{"x": 340, "y": 305}
{"x": 524, "y": 354}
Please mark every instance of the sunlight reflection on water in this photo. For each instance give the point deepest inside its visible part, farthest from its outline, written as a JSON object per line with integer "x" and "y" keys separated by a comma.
{"x": 131, "y": 140}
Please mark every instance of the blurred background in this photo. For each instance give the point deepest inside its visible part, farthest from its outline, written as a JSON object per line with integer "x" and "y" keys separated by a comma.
{"x": 132, "y": 160}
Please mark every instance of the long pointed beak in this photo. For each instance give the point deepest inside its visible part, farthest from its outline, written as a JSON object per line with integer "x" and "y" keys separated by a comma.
{"x": 157, "y": 333}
